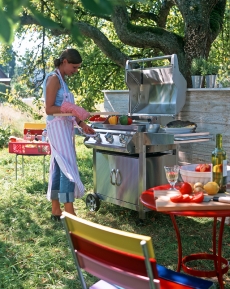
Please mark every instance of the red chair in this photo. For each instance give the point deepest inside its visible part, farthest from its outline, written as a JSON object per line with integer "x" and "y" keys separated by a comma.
{"x": 121, "y": 259}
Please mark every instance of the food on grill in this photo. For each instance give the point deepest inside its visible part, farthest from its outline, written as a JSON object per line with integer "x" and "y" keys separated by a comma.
{"x": 113, "y": 119}
{"x": 92, "y": 118}
{"x": 130, "y": 121}
{"x": 97, "y": 118}
{"x": 181, "y": 124}
{"x": 123, "y": 119}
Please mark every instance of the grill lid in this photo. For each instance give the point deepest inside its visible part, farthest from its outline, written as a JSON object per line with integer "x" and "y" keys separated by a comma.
{"x": 155, "y": 90}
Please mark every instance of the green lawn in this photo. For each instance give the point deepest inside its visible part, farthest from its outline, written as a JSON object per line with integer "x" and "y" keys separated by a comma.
{"x": 34, "y": 252}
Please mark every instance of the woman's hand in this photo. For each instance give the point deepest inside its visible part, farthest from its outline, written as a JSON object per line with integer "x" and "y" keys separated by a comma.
{"x": 86, "y": 128}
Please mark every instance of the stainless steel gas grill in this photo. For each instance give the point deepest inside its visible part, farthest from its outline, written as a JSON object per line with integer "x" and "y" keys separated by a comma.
{"x": 128, "y": 159}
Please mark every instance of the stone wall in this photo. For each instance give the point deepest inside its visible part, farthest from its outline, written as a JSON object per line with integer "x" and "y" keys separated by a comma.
{"x": 208, "y": 108}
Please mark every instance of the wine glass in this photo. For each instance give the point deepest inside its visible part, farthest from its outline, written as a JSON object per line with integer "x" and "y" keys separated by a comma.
{"x": 172, "y": 175}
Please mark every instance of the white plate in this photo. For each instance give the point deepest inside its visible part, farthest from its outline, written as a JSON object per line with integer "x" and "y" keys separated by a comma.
{"x": 179, "y": 130}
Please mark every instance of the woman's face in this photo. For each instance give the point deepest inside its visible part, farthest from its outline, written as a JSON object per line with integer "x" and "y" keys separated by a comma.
{"x": 70, "y": 68}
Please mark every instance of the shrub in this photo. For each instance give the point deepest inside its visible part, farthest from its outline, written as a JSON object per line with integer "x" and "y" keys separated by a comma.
{"x": 209, "y": 68}
{"x": 196, "y": 66}
{"x": 4, "y": 136}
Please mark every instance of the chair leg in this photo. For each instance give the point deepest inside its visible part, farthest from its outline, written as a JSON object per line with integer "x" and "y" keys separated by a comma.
{"x": 153, "y": 283}
{"x": 83, "y": 284}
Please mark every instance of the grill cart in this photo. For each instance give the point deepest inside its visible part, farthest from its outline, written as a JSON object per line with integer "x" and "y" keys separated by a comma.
{"x": 128, "y": 159}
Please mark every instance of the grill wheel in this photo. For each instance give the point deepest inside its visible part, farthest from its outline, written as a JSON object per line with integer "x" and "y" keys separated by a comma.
{"x": 92, "y": 202}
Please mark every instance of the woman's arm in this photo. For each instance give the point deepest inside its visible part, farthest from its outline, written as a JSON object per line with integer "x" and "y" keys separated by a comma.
{"x": 86, "y": 128}
{"x": 52, "y": 87}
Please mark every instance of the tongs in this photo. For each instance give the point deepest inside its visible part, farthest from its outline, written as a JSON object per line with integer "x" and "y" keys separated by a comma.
{"x": 85, "y": 134}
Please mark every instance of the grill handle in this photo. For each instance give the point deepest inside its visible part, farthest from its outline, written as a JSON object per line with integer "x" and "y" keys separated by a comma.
{"x": 118, "y": 177}
{"x": 113, "y": 173}
{"x": 173, "y": 57}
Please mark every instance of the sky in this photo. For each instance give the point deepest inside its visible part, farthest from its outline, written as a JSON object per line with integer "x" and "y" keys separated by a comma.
{"x": 30, "y": 42}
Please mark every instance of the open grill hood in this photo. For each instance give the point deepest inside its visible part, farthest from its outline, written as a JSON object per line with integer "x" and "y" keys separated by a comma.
{"x": 155, "y": 90}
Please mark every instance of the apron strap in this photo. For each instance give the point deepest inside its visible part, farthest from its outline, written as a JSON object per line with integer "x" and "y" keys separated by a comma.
{"x": 62, "y": 81}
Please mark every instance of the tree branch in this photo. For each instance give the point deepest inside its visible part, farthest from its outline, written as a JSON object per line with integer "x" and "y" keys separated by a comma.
{"x": 93, "y": 33}
{"x": 145, "y": 37}
{"x": 160, "y": 19}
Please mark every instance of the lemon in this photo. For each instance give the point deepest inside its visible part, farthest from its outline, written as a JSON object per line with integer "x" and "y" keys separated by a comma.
{"x": 211, "y": 188}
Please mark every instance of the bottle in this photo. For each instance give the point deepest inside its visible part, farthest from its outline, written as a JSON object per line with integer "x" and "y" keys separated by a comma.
{"x": 36, "y": 137}
{"x": 219, "y": 165}
{"x": 44, "y": 135}
{"x": 28, "y": 135}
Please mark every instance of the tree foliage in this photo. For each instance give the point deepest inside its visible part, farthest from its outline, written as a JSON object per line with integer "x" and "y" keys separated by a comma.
{"x": 108, "y": 33}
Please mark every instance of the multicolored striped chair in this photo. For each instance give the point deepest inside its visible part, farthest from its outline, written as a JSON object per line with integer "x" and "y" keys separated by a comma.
{"x": 121, "y": 259}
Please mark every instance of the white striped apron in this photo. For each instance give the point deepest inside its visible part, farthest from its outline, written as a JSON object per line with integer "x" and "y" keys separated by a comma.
{"x": 61, "y": 137}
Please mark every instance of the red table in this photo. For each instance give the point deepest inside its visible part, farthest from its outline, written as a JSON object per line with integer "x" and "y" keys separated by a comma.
{"x": 221, "y": 265}
{"x": 25, "y": 148}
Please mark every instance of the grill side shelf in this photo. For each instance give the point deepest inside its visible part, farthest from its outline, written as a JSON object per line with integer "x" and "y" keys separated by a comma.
{"x": 192, "y": 137}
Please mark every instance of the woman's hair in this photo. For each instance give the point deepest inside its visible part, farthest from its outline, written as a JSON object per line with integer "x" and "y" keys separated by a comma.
{"x": 71, "y": 55}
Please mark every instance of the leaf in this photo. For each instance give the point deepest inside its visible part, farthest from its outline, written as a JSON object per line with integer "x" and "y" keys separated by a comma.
{"x": 14, "y": 7}
{"x": 99, "y": 6}
{"x": 66, "y": 21}
{"x": 6, "y": 34}
{"x": 76, "y": 34}
{"x": 44, "y": 21}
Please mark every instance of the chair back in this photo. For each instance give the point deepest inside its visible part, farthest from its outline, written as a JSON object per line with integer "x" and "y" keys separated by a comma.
{"x": 121, "y": 259}
{"x": 112, "y": 255}
{"x": 107, "y": 236}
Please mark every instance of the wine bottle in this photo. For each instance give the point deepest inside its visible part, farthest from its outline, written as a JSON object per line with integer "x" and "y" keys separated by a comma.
{"x": 219, "y": 165}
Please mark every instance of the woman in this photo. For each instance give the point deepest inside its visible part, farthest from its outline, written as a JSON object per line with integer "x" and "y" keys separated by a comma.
{"x": 64, "y": 180}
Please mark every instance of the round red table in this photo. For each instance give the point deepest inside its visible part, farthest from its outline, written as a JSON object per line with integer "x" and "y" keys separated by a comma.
{"x": 221, "y": 265}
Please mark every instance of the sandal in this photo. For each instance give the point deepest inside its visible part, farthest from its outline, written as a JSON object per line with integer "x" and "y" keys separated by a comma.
{"x": 55, "y": 217}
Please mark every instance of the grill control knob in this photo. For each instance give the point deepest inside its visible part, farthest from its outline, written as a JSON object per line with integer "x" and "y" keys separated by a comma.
{"x": 123, "y": 138}
{"x": 109, "y": 137}
{"x": 97, "y": 137}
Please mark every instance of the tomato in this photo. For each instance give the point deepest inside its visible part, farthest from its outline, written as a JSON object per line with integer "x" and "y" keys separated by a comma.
{"x": 197, "y": 169}
{"x": 185, "y": 188}
{"x": 187, "y": 198}
{"x": 101, "y": 118}
{"x": 130, "y": 121}
{"x": 198, "y": 198}
{"x": 92, "y": 118}
{"x": 203, "y": 168}
{"x": 177, "y": 198}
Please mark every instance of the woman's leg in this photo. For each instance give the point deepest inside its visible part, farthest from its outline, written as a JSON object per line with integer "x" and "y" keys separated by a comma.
{"x": 66, "y": 194}
{"x": 56, "y": 209}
